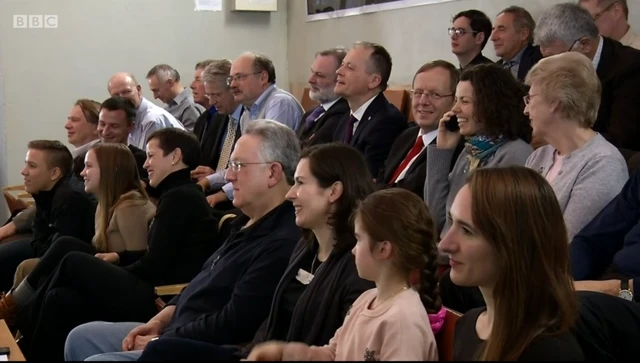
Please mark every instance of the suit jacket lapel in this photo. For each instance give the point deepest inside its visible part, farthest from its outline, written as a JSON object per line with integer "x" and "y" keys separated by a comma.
{"x": 397, "y": 157}
{"x": 373, "y": 108}
{"x": 340, "y": 106}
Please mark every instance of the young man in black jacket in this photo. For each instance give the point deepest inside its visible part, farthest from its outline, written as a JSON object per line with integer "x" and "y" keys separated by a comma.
{"x": 63, "y": 208}
{"x": 230, "y": 298}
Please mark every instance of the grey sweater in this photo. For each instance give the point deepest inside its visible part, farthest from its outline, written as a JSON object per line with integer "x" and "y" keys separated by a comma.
{"x": 441, "y": 187}
{"x": 588, "y": 180}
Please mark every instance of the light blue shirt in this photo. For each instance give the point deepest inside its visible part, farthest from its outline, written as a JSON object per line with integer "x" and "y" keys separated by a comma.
{"x": 278, "y": 105}
{"x": 218, "y": 178}
{"x": 149, "y": 118}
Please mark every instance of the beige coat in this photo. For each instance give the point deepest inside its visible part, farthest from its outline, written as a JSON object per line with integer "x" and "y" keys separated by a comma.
{"x": 127, "y": 230}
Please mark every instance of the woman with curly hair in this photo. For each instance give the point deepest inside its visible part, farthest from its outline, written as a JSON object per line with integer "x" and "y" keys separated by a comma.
{"x": 488, "y": 108}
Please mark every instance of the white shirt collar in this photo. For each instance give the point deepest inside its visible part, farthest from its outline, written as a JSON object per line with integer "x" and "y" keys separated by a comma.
{"x": 83, "y": 148}
{"x": 598, "y": 55}
{"x": 360, "y": 111}
{"x": 428, "y": 137}
{"x": 328, "y": 105}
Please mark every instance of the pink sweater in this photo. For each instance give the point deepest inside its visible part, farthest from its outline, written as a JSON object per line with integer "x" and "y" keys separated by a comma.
{"x": 398, "y": 329}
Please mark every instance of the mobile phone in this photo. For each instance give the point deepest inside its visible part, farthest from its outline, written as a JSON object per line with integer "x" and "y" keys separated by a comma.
{"x": 452, "y": 124}
{"x": 4, "y": 350}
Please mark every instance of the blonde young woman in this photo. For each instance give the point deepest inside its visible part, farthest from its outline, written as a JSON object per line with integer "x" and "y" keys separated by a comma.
{"x": 122, "y": 219}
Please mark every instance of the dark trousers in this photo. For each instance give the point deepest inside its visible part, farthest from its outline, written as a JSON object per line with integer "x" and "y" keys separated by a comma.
{"x": 178, "y": 349}
{"x": 81, "y": 289}
{"x": 11, "y": 255}
{"x": 48, "y": 263}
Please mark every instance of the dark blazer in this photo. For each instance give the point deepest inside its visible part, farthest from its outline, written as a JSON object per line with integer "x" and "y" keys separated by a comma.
{"x": 530, "y": 57}
{"x": 321, "y": 131}
{"x": 78, "y": 165}
{"x": 323, "y": 305}
{"x": 619, "y": 114}
{"x": 479, "y": 59}
{"x": 379, "y": 127}
{"x": 141, "y": 158}
{"x": 417, "y": 173}
{"x": 213, "y": 138}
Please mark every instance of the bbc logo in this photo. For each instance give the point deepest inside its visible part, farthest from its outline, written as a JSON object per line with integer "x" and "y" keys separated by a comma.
{"x": 35, "y": 21}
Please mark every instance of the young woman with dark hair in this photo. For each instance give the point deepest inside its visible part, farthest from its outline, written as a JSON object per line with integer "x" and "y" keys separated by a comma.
{"x": 508, "y": 238}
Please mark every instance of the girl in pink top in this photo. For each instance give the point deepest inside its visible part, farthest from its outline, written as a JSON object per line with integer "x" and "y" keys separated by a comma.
{"x": 394, "y": 321}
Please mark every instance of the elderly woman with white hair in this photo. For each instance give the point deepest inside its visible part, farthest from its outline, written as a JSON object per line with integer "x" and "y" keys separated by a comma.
{"x": 584, "y": 169}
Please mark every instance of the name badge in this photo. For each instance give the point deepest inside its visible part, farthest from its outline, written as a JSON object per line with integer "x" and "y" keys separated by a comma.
{"x": 304, "y": 277}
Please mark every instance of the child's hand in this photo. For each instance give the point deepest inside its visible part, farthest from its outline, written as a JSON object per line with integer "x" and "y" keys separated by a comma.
{"x": 269, "y": 351}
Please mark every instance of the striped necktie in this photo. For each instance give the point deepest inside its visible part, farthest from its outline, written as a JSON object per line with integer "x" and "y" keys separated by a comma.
{"x": 229, "y": 140}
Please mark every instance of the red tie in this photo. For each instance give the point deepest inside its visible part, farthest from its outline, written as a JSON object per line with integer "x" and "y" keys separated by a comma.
{"x": 415, "y": 150}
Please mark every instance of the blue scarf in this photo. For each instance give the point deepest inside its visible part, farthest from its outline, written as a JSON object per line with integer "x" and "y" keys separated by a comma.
{"x": 482, "y": 147}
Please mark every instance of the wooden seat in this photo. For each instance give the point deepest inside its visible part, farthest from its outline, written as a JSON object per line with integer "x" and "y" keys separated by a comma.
{"x": 17, "y": 198}
{"x": 8, "y": 340}
{"x": 172, "y": 290}
{"x": 397, "y": 97}
{"x": 446, "y": 335}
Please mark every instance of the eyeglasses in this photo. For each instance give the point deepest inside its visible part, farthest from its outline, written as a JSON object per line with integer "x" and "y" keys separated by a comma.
{"x": 240, "y": 77}
{"x": 598, "y": 15}
{"x": 417, "y": 94}
{"x": 236, "y": 165}
{"x": 527, "y": 98}
{"x": 577, "y": 41}
{"x": 460, "y": 32}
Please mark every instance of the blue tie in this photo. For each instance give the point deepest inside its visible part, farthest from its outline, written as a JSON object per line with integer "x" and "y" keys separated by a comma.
{"x": 314, "y": 115}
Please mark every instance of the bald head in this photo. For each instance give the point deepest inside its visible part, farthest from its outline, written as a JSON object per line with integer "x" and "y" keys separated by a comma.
{"x": 124, "y": 84}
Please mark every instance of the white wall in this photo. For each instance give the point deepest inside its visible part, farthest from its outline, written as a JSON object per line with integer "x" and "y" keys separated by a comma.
{"x": 413, "y": 35}
{"x": 44, "y": 71}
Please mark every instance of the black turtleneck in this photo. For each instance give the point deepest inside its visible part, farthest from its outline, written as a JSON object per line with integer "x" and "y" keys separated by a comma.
{"x": 182, "y": 235}
{"x": 65, "y": 210}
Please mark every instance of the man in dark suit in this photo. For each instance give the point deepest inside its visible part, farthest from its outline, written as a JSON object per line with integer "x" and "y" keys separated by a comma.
{"x": 618, "y": 69}
{"x": 219, "y": 135}
{"x": 512, "y": 39}
{"x": 373, "y": 124}
{"x": 317, "y": 125}
{"x": 432, "y": 95}
{"x": 469, "y": 34}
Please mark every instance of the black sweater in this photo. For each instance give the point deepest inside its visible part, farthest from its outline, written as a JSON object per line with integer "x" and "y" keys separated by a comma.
{"x": 230, "y": 297}
{"x": 65, "y": 210}
{"x": 560, "y": 347}
{"x": 323, "y": 305}
{"x": 182, "y": 235}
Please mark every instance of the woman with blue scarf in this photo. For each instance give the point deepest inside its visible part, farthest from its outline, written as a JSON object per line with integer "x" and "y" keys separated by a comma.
{"x": 488, "y": 107}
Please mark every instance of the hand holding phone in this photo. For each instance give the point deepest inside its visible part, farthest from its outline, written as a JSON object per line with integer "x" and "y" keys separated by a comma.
{"x": 452, "y": 124}
{"x": 448, "y": 134}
